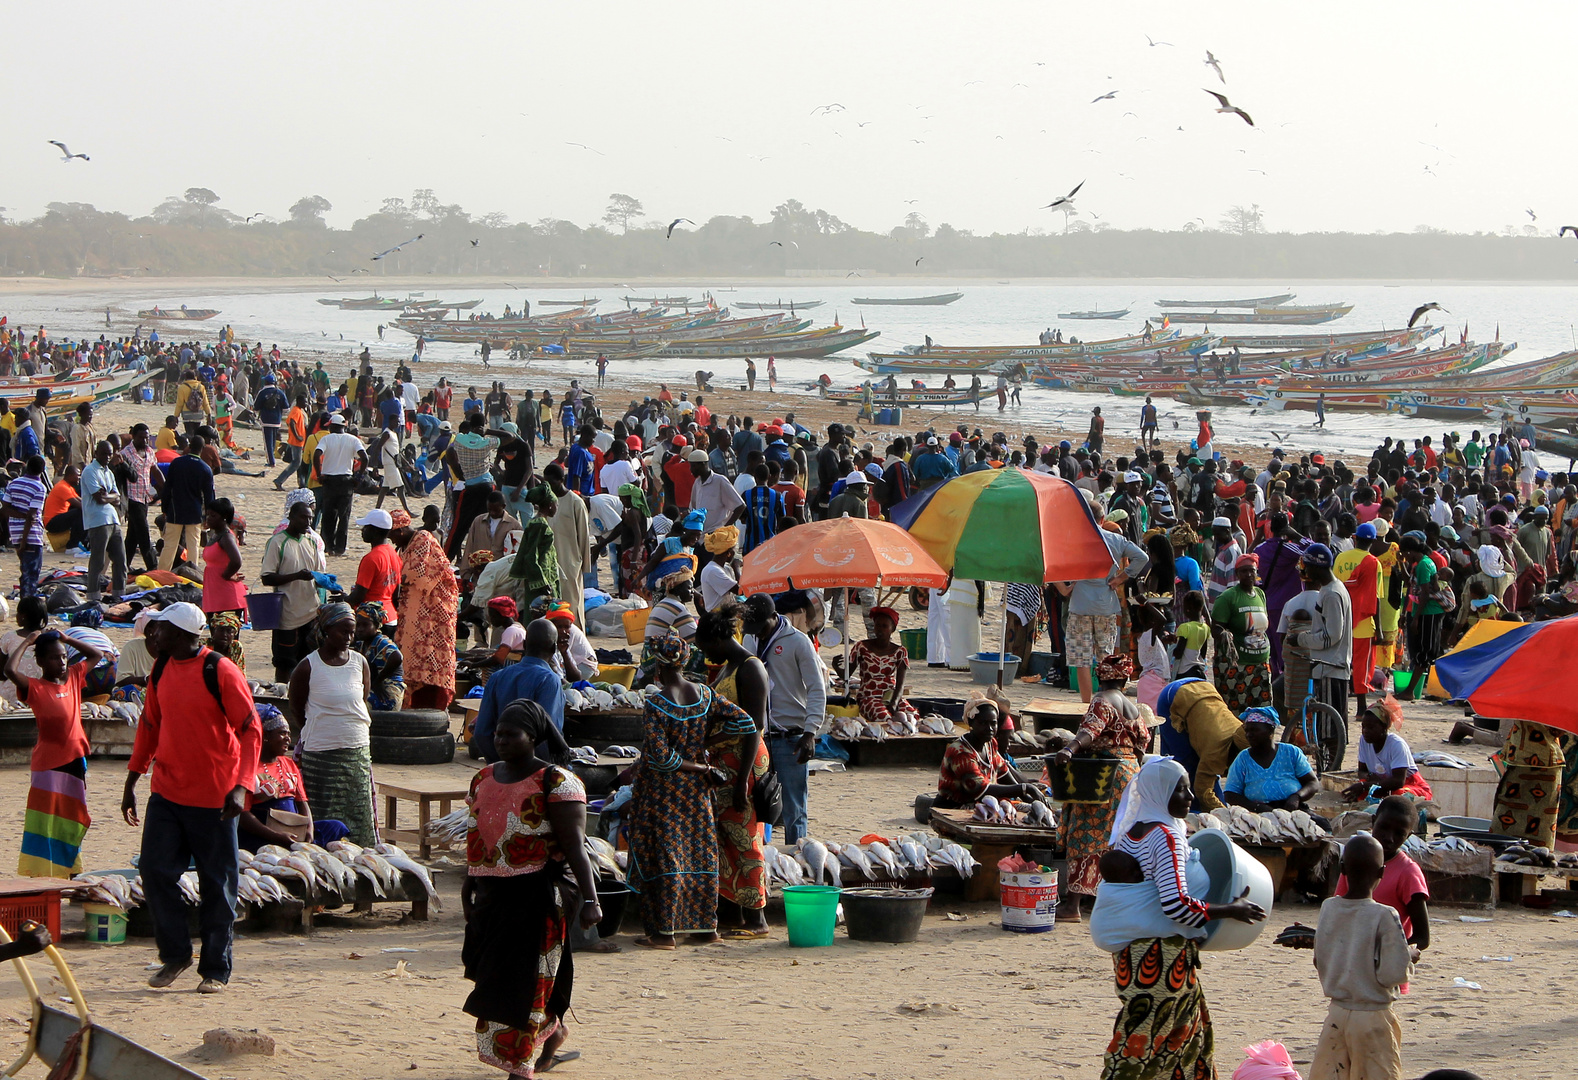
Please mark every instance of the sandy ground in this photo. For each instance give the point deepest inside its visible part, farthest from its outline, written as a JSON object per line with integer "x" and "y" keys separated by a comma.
{"x": 1043, "y": 1003}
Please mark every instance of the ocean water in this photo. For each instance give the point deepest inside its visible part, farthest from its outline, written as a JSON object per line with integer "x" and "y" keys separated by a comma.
{"x": 1540, "y": 318}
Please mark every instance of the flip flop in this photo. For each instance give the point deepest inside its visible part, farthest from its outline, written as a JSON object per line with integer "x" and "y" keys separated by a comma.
{"x": 742, "y": 934}
{"x": 566, "y": 1055}
{"x": 648, "y": 943}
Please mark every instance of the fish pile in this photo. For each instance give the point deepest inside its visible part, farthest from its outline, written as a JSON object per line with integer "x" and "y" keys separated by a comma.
{"x": 1524, "y": 853}
{"x": 901, "y": 725}
{"x": 1441, "y": 759}
{"x": 450, "y": 830}
{"x": 996, "y": 811}
{"x": 1272, "y": 827}
{"x": 622, "y": 752}
{"x": 111, "y": 889}
{"x": 125, "y": 712}
{"x": 605, "y": 860}
{"x": 583, "y": 755}
{"x": 603, "y": 697}
{"x": 817, "y": 863}
{"x": 336, "y": 868}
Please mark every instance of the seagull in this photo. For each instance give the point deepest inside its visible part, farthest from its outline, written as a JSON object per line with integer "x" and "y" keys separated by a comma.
{"x": 911, "y": 202}
{"x": 1065, "y": 202}
{"x": 1108, "y": 96}
{"x": 779, "y": 243}
{"x": 1228, "y": 107}
{"x": 257, "y": 215}
{"x": 360, "y": 270}
{"x": 474, "y": 243}
{"x": 583, "y": 146}
{"x": 852, "y": 273}
{"x": 66, "y": 154}
{"x": 1532, "y": 215}
{"x": 1421, "y": 309}
{"x": 863, "y": 123}
{"x": 828, "y": 108}
{"x": 331, "y": 277}
{"x": 918, "y": 261}
{"x": 397, "y": 247}
{"x": 674, "y": 223}
{"x": 1153, "y": 44}
{"x": 1565, "y": 229}
{"x": 1212, "y": 63}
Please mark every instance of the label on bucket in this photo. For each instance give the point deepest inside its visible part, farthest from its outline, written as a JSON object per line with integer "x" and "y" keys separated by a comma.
{"x": 1029, "y": 902}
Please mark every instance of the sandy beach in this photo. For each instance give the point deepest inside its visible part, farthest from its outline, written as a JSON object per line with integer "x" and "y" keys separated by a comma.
{"x": 966, "y": 999}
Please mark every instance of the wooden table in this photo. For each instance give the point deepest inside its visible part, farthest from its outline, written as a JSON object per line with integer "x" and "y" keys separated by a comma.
{"x": 988, "y": 843}
{"x": 1047, "y": 712}
{"x": 922, "y": 749}
{"x": 424, "y": 797}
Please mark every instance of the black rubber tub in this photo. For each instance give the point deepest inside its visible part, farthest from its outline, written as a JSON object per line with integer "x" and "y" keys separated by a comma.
{"x": 890, "y": 915}
{"x": 612, "y": 897}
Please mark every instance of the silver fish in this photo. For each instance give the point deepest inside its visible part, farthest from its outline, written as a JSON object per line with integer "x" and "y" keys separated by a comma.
{"x": 884, "y": 855}
{"x": 851, "y": 855}
{"x": 399, "y": 860}
{"x": 815, "y": 855}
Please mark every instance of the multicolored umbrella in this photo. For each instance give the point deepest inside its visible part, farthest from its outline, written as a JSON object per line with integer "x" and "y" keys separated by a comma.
{"x": 844, "y": 551}
{"x": 1007, "y": 525}
{"x": 1521, "y": 675}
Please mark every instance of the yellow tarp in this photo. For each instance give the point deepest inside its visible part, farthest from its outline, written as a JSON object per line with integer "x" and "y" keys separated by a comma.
{"x": 1478, "y": 634}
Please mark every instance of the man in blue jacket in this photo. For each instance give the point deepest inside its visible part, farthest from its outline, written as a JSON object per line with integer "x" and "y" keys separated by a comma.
{"x": 270, "y": 405}
{"x": 529, "y": 677}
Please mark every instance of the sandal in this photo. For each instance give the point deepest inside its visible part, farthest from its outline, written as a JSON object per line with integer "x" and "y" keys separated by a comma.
{"x": 740, "y": 933}
{"x": 648, "y": 943}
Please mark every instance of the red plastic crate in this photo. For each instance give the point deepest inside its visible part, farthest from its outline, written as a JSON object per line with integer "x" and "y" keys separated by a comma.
{"x": 35, "y": 907}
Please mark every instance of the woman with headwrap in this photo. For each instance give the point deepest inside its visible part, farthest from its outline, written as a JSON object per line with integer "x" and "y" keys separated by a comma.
{"x": 1241, "y": 628}
{"x": 382, "y": 655}
{"x": 1268, "y": 775}
{"x": 718, "y": 583}
{"x": 671, "y": 614}
{"x": 429, "y": 604}
{"x": 1201, "y": 732}
{"x": 1163, "y": 1028}
{"x": 1113, "y": 727}
{"x": 536, "y": 563}
{"x": 1278, "y": 560}
{"x": 630, "y": 537}
{"x": 279, "y": 787}
{"x": 224, "y": 637}
{"x": 882, "y": 664}
{"x": 329, "y": 691}
{"x": 674, "y": 550}
{"x": 673, "y": 837}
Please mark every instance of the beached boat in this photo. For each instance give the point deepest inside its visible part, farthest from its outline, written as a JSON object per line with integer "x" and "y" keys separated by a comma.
{"x": 910, "y": 301}
{"x": 1284, "y": 316}
{"x": 1557, "y": 440}
{"x": 584, "y": 302}
{"x": 181, "y": 314}
{"x": 1093, "y": 314}
{"x": 782, "y": 305}
{"x": 1251, "y": 302}
{"x": 811, "y": 343}
{"x": 967, "y": 358}
{"x": 667, "y": 301}
{"x": 908, "y": 396}
{"x": 1351, "y": 338}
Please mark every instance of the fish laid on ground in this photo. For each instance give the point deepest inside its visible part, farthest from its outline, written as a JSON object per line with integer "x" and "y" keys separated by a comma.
{"x": 401, "y": 861}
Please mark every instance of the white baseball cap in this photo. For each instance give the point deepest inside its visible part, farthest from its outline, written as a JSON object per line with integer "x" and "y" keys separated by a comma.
{"x": 698, "y": 455}
{"x": 188, "y": 617}
{"x": 1221, "y": 523}
{"x": 336, "y": 418}
{"x": 1132, "y": 477}
{"x": 931, "y": 440}
{"x": 377, "y": 518}
{"x": 857, "y": 477}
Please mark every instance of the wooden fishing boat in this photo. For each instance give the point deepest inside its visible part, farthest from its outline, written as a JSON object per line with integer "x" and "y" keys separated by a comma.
{"x": 823, "y": 342}
{"x": 908, "y": 301}
{"x": 667, "y": 301}
{"x": 907, "y": 396}
{"x": 180, "y": 314}
{"x": 1352, "y": 338}
{"x": 781, "y": 305}
{"x": 1284, "y": 316}
{"x": 1118, "y": 314}
{"x": 584, "y": 302}
{"x": 967, "y": 358}
{"x": 1557, "y": 440}
{"x": 1251, "y": 302}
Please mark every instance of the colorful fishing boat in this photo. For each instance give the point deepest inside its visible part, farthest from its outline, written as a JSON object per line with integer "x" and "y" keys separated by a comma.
{"x": 781, "y": 305}
{"x": 906, "y": 396}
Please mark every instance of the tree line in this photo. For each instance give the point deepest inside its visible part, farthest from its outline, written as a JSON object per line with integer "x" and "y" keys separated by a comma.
{"x": 193, "y": 235}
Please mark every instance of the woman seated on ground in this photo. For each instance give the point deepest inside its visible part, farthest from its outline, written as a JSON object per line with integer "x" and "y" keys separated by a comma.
{"x": 882, "y": 664}
{"x": 972, "y": 767}
{"x": 279, "y": 788}
{"x": 1562, "y": 599}
{"x": 1268, "y": 775}
{"x": 504, "y": 617}
{"x": 382, "y": 656}
{"x": 1386, "y": 765}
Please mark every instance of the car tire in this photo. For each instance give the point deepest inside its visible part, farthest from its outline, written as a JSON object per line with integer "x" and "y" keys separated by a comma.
{"x": 18, "y": 732}
{"x": 409, "y": 723}
{"x": 418, "y": 750}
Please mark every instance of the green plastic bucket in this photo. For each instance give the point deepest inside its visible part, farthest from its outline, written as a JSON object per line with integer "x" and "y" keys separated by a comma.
{"x": 811, "y": 912}
{"x": 1400, "y": 681}
{"x": 914, "y": 642}
{"x": 104, "y": 924}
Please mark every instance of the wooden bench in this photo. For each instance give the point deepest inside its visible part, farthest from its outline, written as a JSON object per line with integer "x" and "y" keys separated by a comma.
{"x": 424, "y": 799}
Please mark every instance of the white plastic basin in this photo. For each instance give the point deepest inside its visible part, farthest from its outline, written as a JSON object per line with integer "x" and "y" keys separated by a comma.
{"x": 1231, "y": 869}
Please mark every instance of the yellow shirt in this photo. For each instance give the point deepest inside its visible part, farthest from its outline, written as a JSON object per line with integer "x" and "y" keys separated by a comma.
{"x": 165, "y": 439}
{"x": 8, "y": 422}
{"x": 313, "y": 479}
{"x": 1342, "y": 569}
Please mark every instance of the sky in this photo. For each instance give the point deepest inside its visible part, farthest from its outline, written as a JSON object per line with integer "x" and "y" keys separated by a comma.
{"x": 1368, "y": 116}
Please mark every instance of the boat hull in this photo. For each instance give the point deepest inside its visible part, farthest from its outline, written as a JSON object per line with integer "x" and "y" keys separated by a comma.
{"x": 908, "y": 301}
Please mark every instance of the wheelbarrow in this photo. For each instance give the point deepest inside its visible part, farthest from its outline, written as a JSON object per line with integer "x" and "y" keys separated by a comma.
{"x": 74, "y": 1047}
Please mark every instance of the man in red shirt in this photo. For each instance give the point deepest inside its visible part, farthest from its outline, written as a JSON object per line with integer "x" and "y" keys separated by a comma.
{"x": 794, "y": 497}
{"x": 378, "y": 574}
{"x": 676, "y": 470}
{"x": 200, "y": 734}
{"x": 703, "y": 414}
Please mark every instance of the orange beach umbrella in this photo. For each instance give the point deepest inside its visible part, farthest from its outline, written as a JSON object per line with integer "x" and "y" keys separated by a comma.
{"x": 840, "y": 552}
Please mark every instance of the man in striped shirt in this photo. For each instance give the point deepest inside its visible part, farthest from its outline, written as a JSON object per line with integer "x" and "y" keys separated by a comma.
{"x": 764, "y": 505}
{"x": 24, "y": 508}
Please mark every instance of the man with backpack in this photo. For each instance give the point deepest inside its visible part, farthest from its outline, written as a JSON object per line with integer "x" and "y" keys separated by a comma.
{"x": 200, "y": 734}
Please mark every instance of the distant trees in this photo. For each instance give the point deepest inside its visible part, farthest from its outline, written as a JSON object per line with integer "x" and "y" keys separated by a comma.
{"x": 1243, "y": 221}
{"x": 308, "y": 211}
{"x": 622, "y": 210}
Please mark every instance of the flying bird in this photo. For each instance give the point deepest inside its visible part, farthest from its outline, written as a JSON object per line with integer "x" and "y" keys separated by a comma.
{"x": 360, "y": 270}
{"x": 397, "y": 247}
{"x": 583, "y": 146}
{"x": 674, "y": 223}
{"x": 918, "y": 261}
{"x": 331, "y": 277}
{"x": 852, "y": 273}
{"x": 1215, "y": 65}
{"x": 1228, "y": 107}
{"x": 66, "y": 154}
{"x": 1532, "y": 215}
{"x": 1153, "y": 44}
{"x": 251, "y": 216}
{"x": 1065, "y": 202}
{"x": 1421, "y": 309}
{"x": 828, "y": 108}
{"x": 1565, "y": 229}
{"x": 474, "y": 243}
{"x": 911, "y": 202}
{"x": 863, "y": 123}
{"x": 1108, "y": 96}
{"x": 779, "y": 243}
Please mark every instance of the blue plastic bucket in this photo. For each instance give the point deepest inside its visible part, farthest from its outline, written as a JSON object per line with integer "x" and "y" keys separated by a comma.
{"x": 266, "y": 609}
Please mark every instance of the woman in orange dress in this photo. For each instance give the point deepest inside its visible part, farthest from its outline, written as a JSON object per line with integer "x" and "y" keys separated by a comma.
{"x": 428, "y": 604}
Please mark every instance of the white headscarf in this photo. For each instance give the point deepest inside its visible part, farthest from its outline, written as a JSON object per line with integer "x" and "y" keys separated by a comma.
{"x": 1147, "y": 796}
{"x": 1490, "y": 562}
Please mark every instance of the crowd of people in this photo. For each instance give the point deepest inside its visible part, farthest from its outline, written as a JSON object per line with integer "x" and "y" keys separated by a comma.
{"x": 1244, "y": 601}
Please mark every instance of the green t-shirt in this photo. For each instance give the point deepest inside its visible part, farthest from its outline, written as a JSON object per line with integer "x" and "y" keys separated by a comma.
{"x": 1424, "y": 574}
{"x": 1244, "y": 614}
{"x": 1473, "y": 454}
{"x": 1193, "y": 635}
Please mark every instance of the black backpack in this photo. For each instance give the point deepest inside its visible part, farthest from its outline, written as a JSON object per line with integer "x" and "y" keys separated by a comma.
{"x": 210, "y": 674}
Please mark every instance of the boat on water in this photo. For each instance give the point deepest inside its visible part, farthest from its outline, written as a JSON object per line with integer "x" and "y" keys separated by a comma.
{"x": 782, "y": 305}
{"x": 180, "y": 314}
{"x": 942, "y": 359}
{"x": 910, "y": 301}
{"x": 1415, "y": 336}
{"x": 1285, "y": 316}
{"x": 1117, "y": 314}
{"x": 1557, "y": 440}
{"x": 1251, "y": 302}
{"x": 811, "y": 343}
{"x": 583, "y": 302}
{"x": 910, "y": 396}
{"x": 667, "y": 301}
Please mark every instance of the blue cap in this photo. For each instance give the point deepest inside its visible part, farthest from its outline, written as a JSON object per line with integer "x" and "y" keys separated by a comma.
{"x": 1364, "y": 532}
{"x": 1317, "y": 555}
{"x": 1064, "y": 445}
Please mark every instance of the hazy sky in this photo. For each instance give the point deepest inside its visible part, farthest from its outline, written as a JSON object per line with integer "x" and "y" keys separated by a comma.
{"x": 980, "y": 113}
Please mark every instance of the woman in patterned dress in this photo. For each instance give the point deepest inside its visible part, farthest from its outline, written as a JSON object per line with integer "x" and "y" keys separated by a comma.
{"x": 1528, "y": 796}
{"x": 429, "y": 602}
{"x": 882, "y": 664}
{"x": 526, "y": 827}
{"x": 1117, "y": 727}
{"x": 673, "y": 838}
{"x": 742, "y": 864}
